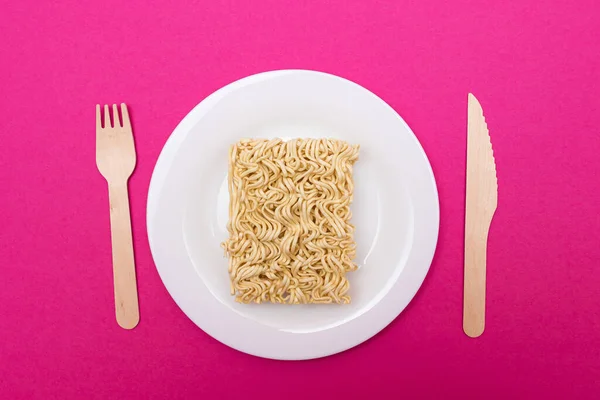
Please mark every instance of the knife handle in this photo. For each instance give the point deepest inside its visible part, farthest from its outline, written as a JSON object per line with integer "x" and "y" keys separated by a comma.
{"x": 474, "y": 290}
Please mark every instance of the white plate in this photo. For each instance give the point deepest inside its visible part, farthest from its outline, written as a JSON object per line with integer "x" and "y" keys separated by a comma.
{"x": 395, "y": 210}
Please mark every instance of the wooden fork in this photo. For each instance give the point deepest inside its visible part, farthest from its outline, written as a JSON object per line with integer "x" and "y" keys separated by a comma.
{"x": 115, "y": 158}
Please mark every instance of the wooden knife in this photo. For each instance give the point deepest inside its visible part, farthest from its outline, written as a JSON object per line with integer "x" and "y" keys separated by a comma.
{"x": 481, "y": 203}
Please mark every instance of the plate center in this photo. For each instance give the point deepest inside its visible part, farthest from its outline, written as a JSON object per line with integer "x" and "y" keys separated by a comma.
{"x": 382, "y": 214}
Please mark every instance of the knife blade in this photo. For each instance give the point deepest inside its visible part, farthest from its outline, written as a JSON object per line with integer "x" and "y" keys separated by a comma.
{"x": 480, "y": 206}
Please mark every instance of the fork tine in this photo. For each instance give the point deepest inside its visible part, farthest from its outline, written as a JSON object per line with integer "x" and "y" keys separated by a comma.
{"x": 106, "y": 117}
{"x": 125, "y": 116}
{"x": 98, "y": 117}
{"x": 116, "y": 122}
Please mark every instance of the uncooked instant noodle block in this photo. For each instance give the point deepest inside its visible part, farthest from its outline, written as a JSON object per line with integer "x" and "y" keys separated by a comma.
{"x": 290, "y": 237}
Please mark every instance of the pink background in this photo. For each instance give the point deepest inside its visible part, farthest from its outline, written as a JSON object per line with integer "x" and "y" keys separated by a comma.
{"x": 535, "y": 67}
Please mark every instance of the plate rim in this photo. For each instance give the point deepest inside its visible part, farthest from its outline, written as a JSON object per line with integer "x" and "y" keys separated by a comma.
{"x": 159, "y": 172}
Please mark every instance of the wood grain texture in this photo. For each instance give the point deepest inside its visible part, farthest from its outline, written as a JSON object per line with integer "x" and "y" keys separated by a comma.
{"x": 480, "y": 205}
{"x": 116, "y": 159}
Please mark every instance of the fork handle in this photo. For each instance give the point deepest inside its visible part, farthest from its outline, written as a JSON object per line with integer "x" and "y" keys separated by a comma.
{"x": 126, "y": 297}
